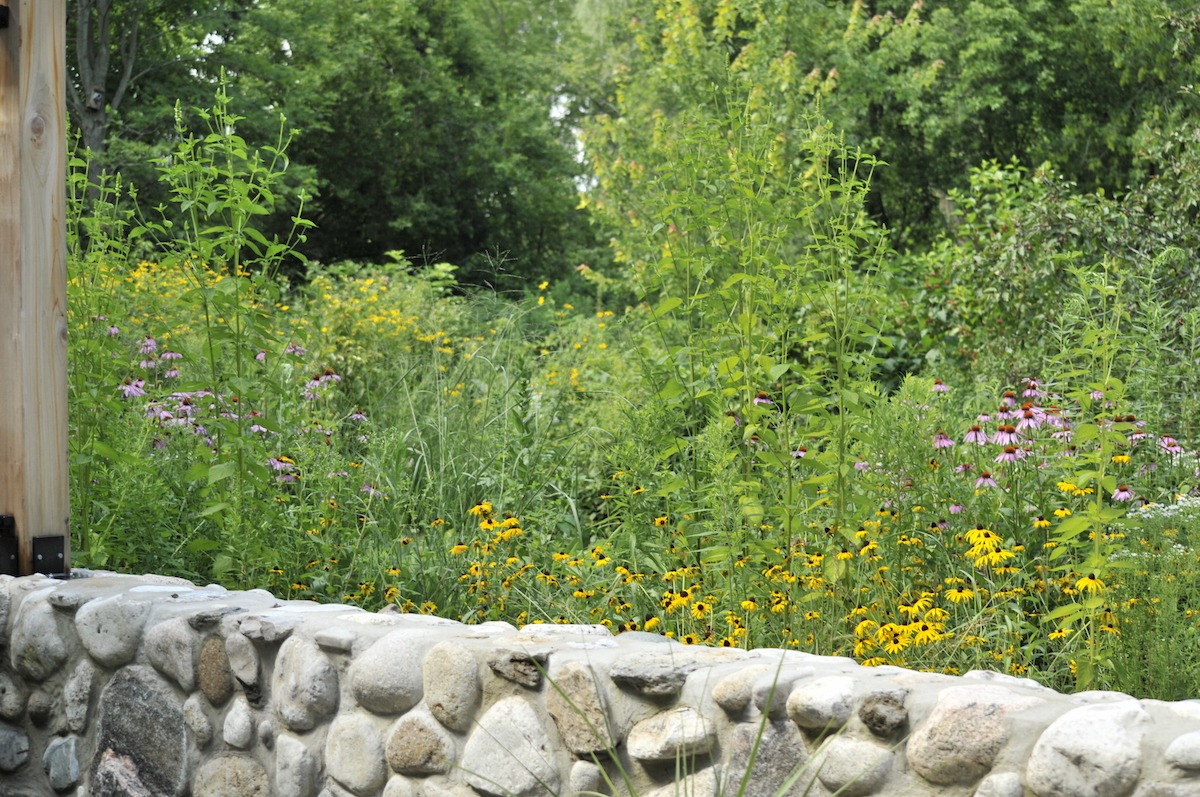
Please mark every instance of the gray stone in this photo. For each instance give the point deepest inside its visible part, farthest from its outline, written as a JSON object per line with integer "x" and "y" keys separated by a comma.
{"x": 653, "y": 674}
{"x": 958, "y": 742}
{"x": 238, "y": 731}
{"x": 734, "y": 692}
{"x": 12, "y": 698}
{"x": 1001, "y": 784}
{"x": 171, "y": 647}
{"x": 354, "y": 754}
{"x": 231, "y": 776}
{"x": 697, "y": 784}
{"x": 386, "y": 677}
{"x": 213, "y": 672}
{"x": 270, "y": 628}
{"x": 207, "y": 618}
{"x": 884, "y": 713}
{"x": 824, "y": 704}
{"x": 519, "y": 666}
{"x": 14, "y": 748}
{"x": 678, "y": 734}
{"x": 510, "y": 753}
{"x": 417, "y": 745}
{"x": 852, "y": 767}
{"x": 1184, "y": 751}
{"x": 295, "y": 768}
{"x": 61, "y": 763}
{"x": 111, "y": 629}
{"x": 450, "y": 676}
{"x": 40, "y": 707}
{"x": 142, "y": 731}
{"x": 1091, "y": 751}
{"x": 304, "y": 685}
{"x": 336, "y": 640}
{"x": 36, "y": 647}
{"x": 77, "y": 694}
{"x": 778, "y": 753}
{"x": 243, "y": 663}
{"x": 266, "y": 734}
{"x": 574, "y": 702}
{"x": 197, "y": 721}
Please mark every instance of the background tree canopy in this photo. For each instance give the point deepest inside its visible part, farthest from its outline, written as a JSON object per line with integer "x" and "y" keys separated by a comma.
{"x": 448, "y": 129}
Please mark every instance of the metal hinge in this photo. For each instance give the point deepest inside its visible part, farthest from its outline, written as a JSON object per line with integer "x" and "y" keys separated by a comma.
{"x": 10, "y": 564}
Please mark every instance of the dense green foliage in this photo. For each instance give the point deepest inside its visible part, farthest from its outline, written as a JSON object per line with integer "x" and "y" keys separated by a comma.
{"x": 893, "y": 330}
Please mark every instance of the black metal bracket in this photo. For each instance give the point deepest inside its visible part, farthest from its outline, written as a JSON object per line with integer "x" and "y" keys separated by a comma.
{"x": 3, "y": 16}
{"x": 10, "y": 563}
{"x": 49, "y": 555}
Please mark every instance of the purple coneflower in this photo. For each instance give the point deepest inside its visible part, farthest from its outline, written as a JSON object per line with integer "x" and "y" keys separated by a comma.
{"x": 956, "y": 509}
{"x": 1005, "y": 435}
{"x": 1122, "y": 493}
{"x": 762, "y": 398}
{"x": 940, "y": 387}
{"x": 132, "y": 388}
{"x": 963, "y": 468}
{"x": 985, "y": 480}
{"x": 800, "y": 452}
{"x": 1169, "y": 444}
{"x": 1011, "y": 454}
{"x": 976, "y": 435}
{"x": 1032, "y": 389}
{"x": 149, "y": 345}
{"x": 942, "y": 440}
{"x": 295, "y": 349}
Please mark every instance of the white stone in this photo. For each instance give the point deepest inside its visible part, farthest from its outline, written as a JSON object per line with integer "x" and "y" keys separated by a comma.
{"x": 1001, "y": 784}
{"x": 770, "y": 692}
{"x": 238, "y": 731}
{"x": 852, "y": 767}
{"x": 229, "y": 775}
{"x": 1091, "y": 751}
{"x": 450, "y": 675}
{"x": 304, "y": 684}
{"x": 386, "y": 677}
{"x": 36, "y": 648}
{"x": 1184, "y": 751}
{"x": 111, "y": 628}
{"x": 509, "y": 752}
{"x": 243, "y": 658}
{"x": 172, "y": 648}
{"x": 680, "y": 733}
{"x": 586, "y": 778}
{"x": 734, "y": 692}
{"x": 574, "y": 701}
{"x": 196, "y": 720}
{"x": 959, "y": 741}
{"x": 697, "y": 784}
{"x": 354, "y": 754}
{"x": 77, "y": 695}
{"x": 778, "y": 752}
{"x": 653, "y": 673}
{"x": 295, "y": 768}
{"x": 822, "y": 704}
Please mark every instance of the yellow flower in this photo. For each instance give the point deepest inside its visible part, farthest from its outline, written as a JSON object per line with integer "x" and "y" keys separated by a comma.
{"x": 1089, "y": 583}
{"x": 660, "y": 521}
{"x": 1067, "y": 487}
{"x": 1040, "y": 522}
{"x": 749, "y": 605}
{"x": 1120, "y": 459}
{"x": 483, "y": 509}
{"x": 458, "y": 549}
{"x": 543, "y": 285}
{"x": 960, "y": 594}
{"x": 1063, "y": 512}
{"x": 1061, "y": 633}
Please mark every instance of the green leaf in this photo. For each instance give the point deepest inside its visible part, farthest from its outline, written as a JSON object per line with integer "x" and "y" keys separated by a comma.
{"x": 666, "y": 306}
{"x": 221, "y": 472}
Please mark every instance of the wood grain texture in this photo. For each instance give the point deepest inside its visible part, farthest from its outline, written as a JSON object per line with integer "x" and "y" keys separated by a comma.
{"x": 33, "y": 273}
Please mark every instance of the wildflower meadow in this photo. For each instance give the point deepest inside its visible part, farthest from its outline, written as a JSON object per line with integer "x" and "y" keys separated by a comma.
{"x": 754, "y": 428}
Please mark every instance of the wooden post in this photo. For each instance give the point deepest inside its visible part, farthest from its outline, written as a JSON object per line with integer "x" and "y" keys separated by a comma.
{"x": 33, "y": 288}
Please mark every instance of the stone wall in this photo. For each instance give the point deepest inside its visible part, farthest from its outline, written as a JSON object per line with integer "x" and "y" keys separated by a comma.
{"x": 149, "y": 686}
